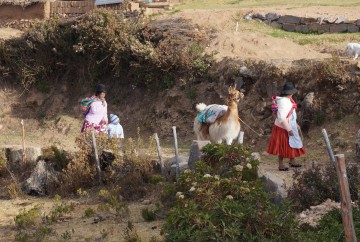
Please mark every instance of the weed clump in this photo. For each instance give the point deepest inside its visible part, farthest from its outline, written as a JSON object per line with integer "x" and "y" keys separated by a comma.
{"x": 330, "y": 227}
{"x": 57, "y": 157}
{"x": 33, "y": 224}
{"x": 315, "y": 185}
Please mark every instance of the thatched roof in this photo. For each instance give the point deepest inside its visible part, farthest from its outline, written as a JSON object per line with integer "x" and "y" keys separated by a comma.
{"x": 22, "y": 3}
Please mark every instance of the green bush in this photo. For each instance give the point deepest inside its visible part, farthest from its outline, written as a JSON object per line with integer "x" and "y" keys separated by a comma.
{"x": 89, "y": 212}
{"x": 39, "y": 234}
{"x": 155, "y": 179}
{"x": 148, "y": 215}
{"x": 58, "y": 157}
{"x": 223, "y": 158}
{"x": 27, "y": 218}
{"x": 3, "y": 160}
{"x": 223, "y": 201}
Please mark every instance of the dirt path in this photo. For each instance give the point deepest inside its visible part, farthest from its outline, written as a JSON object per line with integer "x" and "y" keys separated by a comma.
{"x": 8, "y": 33}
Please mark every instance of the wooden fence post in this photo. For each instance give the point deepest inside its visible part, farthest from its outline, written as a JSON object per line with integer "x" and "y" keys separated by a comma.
{"x": 328, "y": 146}
{"x": 96, "y": 156}
{"x": 346, "y": 210}
{"x": 23, "y": 142}
{"x": 158, "y": 148}
{"x": 176, "y": 153}
{"x": 241, "y": 138}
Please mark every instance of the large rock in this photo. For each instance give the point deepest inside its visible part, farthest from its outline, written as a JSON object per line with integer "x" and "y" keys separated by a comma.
{"x": 195, "y": 152}
{"x": 307, "y": 20}
{"x": 275, "y": 186}
{"x": 338, "y": 28}
{"x": 341, "y": 20}
{"x": 289, "y": 19}
{"x": 272, "y": 16}
{"x": 258, "y": 16}
{"x": 308, "y": 101}
{"x": 275, "y": 24}
{"x": 352, "y": 28}
{"x": 329, "y": 20}
{"x": 183, "y": 165}
{"x": 289, "y": 27}
{"x": 15, "y": 153}
{"x": 42, "y": 176}
{"x": 302, "y": 28}
{"x": 170, "y": 165}
{"x": 319, "y": 28}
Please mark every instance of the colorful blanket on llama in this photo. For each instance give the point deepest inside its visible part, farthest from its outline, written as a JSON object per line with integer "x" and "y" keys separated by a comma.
{"x": 211, "y": 113}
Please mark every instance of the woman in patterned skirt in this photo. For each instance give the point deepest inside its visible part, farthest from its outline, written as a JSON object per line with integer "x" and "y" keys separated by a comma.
{"x": 285, "y": 141}
{"x": 96, "y": 117}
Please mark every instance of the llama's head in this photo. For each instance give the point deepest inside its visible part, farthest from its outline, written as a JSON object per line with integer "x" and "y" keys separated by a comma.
{"x": 234, "y": 94}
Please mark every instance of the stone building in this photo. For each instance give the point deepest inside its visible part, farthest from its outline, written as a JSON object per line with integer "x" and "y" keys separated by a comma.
{"x": 24, "y": 9}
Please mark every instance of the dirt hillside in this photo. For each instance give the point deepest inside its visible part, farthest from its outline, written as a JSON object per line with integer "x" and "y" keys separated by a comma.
{"x": 53, "y": 117}
{"x": 246, "y": 43}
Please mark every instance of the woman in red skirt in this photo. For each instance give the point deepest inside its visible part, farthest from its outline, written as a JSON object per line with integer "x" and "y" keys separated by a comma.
{"x": 285, "y": 141}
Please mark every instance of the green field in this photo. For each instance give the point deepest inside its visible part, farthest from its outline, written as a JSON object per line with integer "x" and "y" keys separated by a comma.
{"x": 256, "y": 26}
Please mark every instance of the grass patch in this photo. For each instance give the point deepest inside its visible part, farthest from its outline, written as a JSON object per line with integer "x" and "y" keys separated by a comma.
{"x": 299, "y": 38}
{"x": 256, "y": 26}
{"x": 212, "y": 4}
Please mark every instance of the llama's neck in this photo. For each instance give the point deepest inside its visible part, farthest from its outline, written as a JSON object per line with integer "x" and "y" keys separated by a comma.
{"x": 233, "y": 109}
{"x": 232, "y": 112}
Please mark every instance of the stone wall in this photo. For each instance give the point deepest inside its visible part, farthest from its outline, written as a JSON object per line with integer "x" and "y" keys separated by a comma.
{"x": 15, "y": 12}
{"x": 71, "y": 8}
{"x": 308, "y": 25}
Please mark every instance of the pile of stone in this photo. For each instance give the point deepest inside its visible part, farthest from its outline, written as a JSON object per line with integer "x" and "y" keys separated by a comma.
{"x": 308, "y": 25}
{"x": 22, "y": 24}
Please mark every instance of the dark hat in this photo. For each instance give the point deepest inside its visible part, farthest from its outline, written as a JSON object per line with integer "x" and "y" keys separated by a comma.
{"x": 100, "y": 88}
{"x": 288, "y": 89}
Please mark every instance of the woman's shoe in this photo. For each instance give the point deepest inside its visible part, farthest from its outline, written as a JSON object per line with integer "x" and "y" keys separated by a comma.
{"x": 295, "y": 165}
{"x": 283, "y": 168}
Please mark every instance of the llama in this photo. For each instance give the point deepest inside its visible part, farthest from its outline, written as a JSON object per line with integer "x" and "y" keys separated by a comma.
{"x": 225, "y": 127}
{"x": 353, "y": 50}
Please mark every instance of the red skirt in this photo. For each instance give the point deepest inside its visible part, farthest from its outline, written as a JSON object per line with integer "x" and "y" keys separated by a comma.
{"x": 279, "y": 144}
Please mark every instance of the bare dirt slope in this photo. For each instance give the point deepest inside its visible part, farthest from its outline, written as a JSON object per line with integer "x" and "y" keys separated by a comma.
{"x": 8, "y": 33}
{"x": 246, "y": 43}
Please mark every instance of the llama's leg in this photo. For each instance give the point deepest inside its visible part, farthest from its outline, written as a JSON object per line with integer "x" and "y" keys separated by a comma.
{"x": 229, "y": 141}
{"x": 356, "y": 56}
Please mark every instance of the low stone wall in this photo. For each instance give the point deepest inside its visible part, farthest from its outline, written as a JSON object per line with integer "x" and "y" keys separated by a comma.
{"x": 308, "y": 25}
{"x": 70, "y": 8}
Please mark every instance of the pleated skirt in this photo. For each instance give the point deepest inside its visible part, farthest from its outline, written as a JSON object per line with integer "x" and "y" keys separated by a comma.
{"x": 279, "y": 144}
{"x": 98, "y": 128}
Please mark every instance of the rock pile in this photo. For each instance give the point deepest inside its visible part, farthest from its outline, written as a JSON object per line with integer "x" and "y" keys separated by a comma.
{"x": 308, "y": 25}
{"x": 19, "y": 24}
